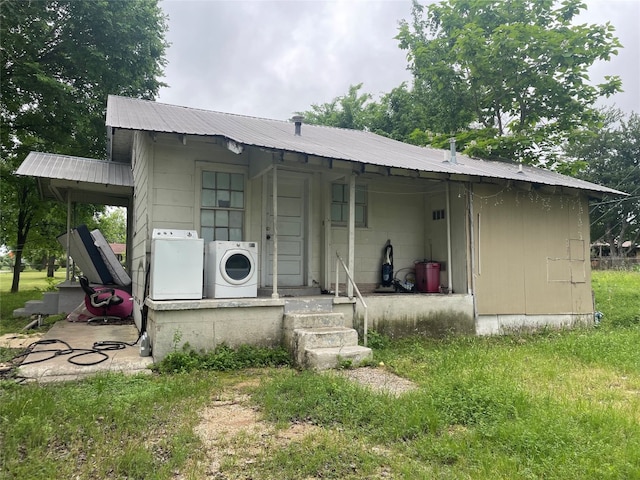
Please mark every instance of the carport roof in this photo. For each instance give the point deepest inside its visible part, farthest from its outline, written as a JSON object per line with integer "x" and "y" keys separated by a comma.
{"x": 128, "y": 114}
{"x": 90, "y": 180}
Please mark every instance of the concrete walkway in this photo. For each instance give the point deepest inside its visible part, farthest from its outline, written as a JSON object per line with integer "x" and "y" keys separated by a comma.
{"x": 55, "y": 361}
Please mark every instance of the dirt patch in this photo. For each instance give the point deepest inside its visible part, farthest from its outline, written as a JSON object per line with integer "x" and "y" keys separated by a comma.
{"x": 18, "y": 340}
{"x": 232, "y": 430}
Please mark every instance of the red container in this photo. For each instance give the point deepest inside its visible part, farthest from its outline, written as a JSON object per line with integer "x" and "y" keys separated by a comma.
{"x": 433, "y": 277}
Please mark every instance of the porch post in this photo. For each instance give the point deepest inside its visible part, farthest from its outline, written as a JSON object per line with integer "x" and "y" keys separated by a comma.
{"x": 274, "y": 294}
{"x": 68, "y": 245}
{"x": 352, "y": 224}
{"x": 448, "y": 216}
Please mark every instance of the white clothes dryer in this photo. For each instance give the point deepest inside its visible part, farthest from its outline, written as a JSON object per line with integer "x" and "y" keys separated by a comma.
{"x": 231, "y": 269}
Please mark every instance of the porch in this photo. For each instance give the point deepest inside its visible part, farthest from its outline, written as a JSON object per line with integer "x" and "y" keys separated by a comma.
{"x": 205, "y": 324}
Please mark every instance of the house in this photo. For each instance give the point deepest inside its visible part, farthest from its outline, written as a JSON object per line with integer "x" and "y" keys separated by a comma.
{"x": 508, "y": 243}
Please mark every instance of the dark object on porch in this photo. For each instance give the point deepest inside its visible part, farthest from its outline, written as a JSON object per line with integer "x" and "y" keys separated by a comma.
{"x": 387, "y": 266}
{"x": 106, "y": 303}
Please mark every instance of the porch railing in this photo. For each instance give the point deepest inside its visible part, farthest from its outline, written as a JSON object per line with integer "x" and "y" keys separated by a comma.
{"x": 355, "y": 287}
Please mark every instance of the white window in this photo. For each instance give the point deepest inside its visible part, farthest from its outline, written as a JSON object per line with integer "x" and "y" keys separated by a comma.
{"x": 340, "y": 204}
{"x": 222, "y": 206}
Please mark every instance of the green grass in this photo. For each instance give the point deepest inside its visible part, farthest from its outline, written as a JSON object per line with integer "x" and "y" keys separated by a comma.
{"x": 551, "y": 405}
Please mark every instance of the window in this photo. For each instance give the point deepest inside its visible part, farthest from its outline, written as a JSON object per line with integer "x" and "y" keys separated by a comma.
{"x": 340, "y": 204}
{"x": 222, "y": 206}
{"x": 438, "y": 215}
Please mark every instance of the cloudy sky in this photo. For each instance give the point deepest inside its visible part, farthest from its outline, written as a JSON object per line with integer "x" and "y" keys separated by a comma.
{"x": 271, "y": 58}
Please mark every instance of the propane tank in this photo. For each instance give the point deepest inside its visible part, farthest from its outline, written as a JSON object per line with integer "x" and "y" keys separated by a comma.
{"x": 387, "y": 266}
{"x": 145, "y": 345}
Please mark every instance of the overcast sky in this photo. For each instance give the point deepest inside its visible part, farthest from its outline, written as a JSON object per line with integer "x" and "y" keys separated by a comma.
{"x": 271, "y": 58}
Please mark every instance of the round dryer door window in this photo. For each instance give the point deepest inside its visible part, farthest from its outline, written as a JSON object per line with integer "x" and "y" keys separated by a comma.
{"x": 236, "y": 268}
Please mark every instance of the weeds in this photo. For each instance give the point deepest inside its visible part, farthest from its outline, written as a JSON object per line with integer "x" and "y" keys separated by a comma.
{"x": 223, "y": 358}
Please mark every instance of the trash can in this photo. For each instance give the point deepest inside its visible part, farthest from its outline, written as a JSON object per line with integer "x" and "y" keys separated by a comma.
{"x": 433, "y": 277}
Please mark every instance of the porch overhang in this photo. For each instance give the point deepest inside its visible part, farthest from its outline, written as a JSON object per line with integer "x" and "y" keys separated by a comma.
{"x": 78, "y": 179}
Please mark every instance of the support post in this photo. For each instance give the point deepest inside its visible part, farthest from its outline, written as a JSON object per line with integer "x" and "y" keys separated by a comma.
{"x": 352, "y": 227}
{"x": 274, "y": 294}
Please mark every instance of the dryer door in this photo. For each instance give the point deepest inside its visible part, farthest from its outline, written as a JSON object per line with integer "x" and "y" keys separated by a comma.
{"x": 237, "y": 267}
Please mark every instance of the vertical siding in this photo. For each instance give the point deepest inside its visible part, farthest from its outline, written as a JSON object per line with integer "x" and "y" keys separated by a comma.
{"x": 531, "y": 252}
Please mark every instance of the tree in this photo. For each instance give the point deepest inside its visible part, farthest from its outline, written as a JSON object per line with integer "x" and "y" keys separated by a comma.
{"x": 59, "y": 61}
{"x": 610, "y": 155}
{"x": 113, "y": 225}
{"x": 515, "y": 68}
{"x": 348, "y": 111}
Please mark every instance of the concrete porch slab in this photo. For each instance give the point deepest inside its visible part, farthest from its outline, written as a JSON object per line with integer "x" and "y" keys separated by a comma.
{"x": 50, "y": 366}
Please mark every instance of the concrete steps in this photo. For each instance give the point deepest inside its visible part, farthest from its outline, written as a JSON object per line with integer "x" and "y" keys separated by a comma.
{"x": 47, "y": 306}
{"x": 321, "y": 341}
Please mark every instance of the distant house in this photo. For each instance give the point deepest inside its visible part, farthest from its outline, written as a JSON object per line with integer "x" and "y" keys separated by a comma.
{"x": 119, "y": 250}
{"x": 511, "y": 242}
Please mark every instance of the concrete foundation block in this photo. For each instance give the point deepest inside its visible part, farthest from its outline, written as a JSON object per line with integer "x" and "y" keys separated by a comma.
{"x": 328, "y": 358}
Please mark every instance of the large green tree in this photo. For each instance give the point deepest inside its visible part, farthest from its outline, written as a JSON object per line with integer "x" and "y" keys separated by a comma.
{"x": 610, "y": 155}
{"x": 59, "y": 60}
{"x": 516, "y": 69}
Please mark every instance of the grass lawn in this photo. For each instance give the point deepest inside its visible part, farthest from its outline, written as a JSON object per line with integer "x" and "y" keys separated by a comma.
{"x": 552, "y": 405}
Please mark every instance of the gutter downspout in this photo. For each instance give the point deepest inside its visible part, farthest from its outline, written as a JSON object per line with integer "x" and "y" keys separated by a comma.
{"x": 274, "y": 294}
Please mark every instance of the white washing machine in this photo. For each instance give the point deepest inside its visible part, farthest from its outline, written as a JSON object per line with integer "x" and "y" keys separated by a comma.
{"x": 231, "y": 270}
{"x": 177, "y": 261}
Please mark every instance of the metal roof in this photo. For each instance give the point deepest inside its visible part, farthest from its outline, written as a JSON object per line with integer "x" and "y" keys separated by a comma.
{"x": 79, "y": 169}
{"x": 328, "y": 142}
{"x": 93, "y": 181}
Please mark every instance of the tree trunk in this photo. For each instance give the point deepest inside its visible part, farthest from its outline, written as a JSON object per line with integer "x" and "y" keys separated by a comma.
{"x": 17, "y": 266}
{"x": 51, "y": 266}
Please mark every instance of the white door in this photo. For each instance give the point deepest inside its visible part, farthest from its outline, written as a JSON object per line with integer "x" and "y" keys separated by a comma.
{"x": 292, "y": 201}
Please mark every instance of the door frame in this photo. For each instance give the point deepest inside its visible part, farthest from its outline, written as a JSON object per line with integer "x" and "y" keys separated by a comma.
{"x": 283, "y": 177}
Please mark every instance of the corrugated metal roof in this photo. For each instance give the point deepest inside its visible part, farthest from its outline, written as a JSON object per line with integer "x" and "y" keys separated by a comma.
{"x": 321, "y": 141}
{"x": 86, "y": 170}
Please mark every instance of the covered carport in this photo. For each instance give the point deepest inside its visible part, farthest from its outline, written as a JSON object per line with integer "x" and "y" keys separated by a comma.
{"x": 72, "y": 180}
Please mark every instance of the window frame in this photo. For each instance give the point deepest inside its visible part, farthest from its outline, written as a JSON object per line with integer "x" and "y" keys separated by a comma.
{"x": 343, "y": 222}
{"x": 200, "y": 208}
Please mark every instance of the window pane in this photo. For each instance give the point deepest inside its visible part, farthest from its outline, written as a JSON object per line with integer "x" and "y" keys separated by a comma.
{"x": 336, "y": 212}
{"x": 361, "y": 195}
{"x": 208, "y": 198}
{"x": 208, "y": 180}
{"x": 223, "y": 198}
{"x": 222, "y": 218}
{"x": 222, "y": 234}
{"x": 235, "y": 219}
{"x": 207, "y": 234}
{"x": 237, "y": 200}
{"x": 337, "y": 192}
{"x": 235, "y": 234}
{"x": 207, "y": 218}
{"x": 237, "y": 182}
{"x": 360, "y": 215}
{"x": 222, "y": 181}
